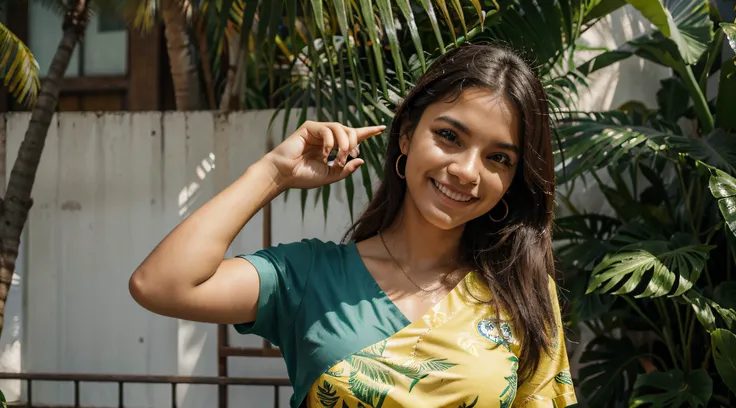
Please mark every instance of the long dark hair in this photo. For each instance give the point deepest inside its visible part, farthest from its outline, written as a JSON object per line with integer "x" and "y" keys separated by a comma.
{"x": 515, "y": 254}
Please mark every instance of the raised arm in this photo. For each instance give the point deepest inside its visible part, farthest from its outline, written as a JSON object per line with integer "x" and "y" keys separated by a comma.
{"x": 186, "y": 275}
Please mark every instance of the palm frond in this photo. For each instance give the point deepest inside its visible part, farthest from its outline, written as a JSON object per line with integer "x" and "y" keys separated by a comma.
{"x": 142, "y": 15}
{"x": 18, "y": 68}
{"x": 590, "y": 143}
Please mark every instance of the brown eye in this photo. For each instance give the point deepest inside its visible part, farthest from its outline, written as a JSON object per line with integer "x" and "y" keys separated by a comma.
{"x": 448, "y": 135}
{"x": 501, "y": 158}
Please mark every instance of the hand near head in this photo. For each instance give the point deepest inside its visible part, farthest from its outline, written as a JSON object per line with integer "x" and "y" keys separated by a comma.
{"x": 301, "y": 159}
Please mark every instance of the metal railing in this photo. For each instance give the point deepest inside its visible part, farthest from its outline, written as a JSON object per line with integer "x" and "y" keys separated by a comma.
{"x": 122, "y": 379}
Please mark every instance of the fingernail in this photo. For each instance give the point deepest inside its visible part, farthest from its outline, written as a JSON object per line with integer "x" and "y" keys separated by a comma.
{"x": 355, "y": 152}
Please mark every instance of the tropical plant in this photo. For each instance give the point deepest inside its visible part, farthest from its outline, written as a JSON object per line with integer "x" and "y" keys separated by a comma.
{"x": 353, "y": 61}
{"x": 653, "y": 278}
{"x": 18, "y": 67}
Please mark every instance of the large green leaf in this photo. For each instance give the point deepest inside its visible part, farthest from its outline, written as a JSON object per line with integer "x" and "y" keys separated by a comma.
{"x": 690, "y": 27}
{"x": 690, "y": 32}
{"x": 675, "y": 266}
{"x": 723, "y": 188}
{"x": 706, "y": 309}
{"x": 609, "y": 366}
{"x": 672, "y": 389}
{"x": 702, "y": 308}
{"x": 18, "y": 68}
{"x": 723, "y": 343}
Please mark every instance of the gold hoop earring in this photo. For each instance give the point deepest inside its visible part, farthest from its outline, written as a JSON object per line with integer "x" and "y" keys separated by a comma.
{"x": 504, "y": 216}
{"x": 398, "y": 173}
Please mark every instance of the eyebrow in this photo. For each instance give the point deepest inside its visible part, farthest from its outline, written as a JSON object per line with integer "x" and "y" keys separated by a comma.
{"x": 461, "y": 127}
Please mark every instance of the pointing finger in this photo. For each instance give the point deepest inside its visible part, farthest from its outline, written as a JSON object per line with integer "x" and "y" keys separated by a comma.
{"x": 364, "y": 133}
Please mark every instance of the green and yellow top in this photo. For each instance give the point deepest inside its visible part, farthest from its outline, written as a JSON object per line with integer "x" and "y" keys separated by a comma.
{"x": 346, "y": 344}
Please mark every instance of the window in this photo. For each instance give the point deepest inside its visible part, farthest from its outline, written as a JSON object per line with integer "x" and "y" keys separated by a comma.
{"x": 104, "y": 50}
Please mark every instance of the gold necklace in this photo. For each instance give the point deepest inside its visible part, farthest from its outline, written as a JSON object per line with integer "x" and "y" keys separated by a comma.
{"x": 434, "y": 296}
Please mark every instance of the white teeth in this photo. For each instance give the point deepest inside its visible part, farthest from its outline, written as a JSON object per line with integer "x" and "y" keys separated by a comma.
{"x": 455, "y": 196}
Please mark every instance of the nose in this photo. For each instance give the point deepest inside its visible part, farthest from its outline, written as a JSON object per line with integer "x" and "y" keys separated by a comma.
{"x": 466, "y": 167}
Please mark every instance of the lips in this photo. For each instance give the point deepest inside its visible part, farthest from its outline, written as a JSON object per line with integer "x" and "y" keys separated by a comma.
{"x": 453, "y": 195}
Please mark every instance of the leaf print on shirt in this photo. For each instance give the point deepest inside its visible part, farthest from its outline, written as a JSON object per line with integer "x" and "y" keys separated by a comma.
{"x": 327, "y": 395}
{"x": 564, "y": 377}
{"x": 369, "y": 390}
{"x": 372, "y": 375}
{"x": 487, "y": 328}
{"x": 509, "y": 393}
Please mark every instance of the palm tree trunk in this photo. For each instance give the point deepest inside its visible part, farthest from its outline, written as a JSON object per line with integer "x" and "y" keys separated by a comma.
{"x": 17, "y": 202}
{"x": 183, "y": 69}
{"x": 229, "y": 97}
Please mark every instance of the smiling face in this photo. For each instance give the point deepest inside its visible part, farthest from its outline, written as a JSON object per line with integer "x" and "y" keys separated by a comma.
{"x": 462, "y": 157}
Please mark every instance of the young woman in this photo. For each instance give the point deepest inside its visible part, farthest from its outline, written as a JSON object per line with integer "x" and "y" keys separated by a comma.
{"x": 441, "y": 295}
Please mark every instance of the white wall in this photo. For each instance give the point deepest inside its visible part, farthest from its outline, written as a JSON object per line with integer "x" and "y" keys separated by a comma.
{"x": 108, "y": 189}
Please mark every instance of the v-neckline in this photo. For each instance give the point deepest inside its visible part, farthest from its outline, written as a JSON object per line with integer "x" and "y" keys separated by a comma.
{"x": 391, "y": 304}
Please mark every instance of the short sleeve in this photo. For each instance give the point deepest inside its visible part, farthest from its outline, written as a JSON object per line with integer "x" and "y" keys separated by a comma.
{"x": 283, "y": 271}
{"x": 551, "y": 385}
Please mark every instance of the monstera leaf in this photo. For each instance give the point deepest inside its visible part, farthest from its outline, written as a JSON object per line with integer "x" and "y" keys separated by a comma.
{"x": 672, "y": 389}
{"x": 723, "y": 343}
{"x": 678, "y": 261}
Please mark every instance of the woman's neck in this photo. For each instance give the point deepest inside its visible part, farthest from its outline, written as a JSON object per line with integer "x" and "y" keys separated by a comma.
{"x": 419, "y": 246}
